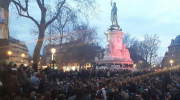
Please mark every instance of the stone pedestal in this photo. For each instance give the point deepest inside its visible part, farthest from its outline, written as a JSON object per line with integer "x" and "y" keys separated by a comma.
{"x": 116, "y": 52}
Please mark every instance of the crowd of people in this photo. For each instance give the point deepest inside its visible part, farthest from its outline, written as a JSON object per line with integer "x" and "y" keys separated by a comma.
{"x": 23, "y": 83}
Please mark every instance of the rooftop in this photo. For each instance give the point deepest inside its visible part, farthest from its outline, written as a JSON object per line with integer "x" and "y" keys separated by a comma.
{"x": 175, "y": 41}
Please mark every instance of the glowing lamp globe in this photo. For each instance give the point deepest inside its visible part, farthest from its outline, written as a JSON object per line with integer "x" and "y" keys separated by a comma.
{"x": 171, "y": 61}
{"x": 23, "y": 55}
{"x": 53, "y": 50}
{"x": 9, "y": 52}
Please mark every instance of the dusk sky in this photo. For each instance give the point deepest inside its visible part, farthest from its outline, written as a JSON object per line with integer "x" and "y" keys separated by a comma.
{"x": 136, "y": 17}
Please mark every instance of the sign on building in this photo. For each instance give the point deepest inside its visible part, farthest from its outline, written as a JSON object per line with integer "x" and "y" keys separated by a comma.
{"x": 4, "y": 30}
{"x": 117, "y": 66}
{"x": 2, "y": 16}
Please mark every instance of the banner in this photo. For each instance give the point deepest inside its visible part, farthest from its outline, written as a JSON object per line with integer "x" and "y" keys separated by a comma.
{"x": 4, "y": 29}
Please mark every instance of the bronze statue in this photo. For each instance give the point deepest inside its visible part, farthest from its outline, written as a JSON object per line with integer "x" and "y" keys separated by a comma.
{"x": 114, "y": 14}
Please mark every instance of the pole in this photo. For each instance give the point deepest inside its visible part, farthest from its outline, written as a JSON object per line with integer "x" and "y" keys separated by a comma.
{"x": 53, "y": 60}
{"x": 53, "y": 65}
{"x": 8, "y": 58}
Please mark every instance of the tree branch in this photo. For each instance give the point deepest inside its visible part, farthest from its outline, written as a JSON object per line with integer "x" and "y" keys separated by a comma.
{"x": 57, "y": 14}
{"x": 39, "y": 3}
{"x": 21, "y": 7}
{"x": 43, "y": 3}
{"x": 27, "y": 16}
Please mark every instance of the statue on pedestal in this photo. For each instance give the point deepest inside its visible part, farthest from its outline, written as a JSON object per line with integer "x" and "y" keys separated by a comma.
{"x": 114, "y": 21}
{"x": 115, "y": 52}
{"x": 114, "y": 14}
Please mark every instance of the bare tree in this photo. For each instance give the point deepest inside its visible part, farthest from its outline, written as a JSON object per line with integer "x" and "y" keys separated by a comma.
{"x": 80, "y": 45}
{"x": 63, "y": 27}
{"x": 146, "y": 48}
{"x": 157, "y": 60}
{"x": 151, "y": 45}
{"x": 126, "y": 38}
{"x": 130, "y": 41}
{"x": 83, "y": 6}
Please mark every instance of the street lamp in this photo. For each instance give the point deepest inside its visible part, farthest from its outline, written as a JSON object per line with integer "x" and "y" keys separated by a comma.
{"x": 171, "y": 61}
{"x": 134, "y": 65}
{"x": 53, "y": 50}
{"x": 9, "y": 53}
{"x": 22, "y": 55}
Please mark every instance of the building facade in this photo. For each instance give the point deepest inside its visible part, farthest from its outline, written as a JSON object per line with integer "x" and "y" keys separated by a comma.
{"x": 173, "y": 53}
{"x": 69, "y": 60}
{"x": 19, "y": 52}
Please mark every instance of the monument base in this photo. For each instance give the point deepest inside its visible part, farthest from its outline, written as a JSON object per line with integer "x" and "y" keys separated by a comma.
{"x": 115, "y": 63}
{"x": 116, "y": 60}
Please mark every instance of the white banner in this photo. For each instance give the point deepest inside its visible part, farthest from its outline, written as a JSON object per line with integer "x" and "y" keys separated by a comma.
{"x": 2, "y": 16}
{"x": 4, "y": 30}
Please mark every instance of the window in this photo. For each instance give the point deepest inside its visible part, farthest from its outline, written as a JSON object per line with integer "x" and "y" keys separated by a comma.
{"x": 87, "y": 64}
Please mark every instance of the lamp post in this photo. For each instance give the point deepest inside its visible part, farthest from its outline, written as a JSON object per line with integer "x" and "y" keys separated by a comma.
{"x": 22, "y": 55}
{"x": 9, "y": 53}
{"x": 134, "y": 66}
{"x": 171, "y": 61}
{"x": 53, "y": 50}
{"x": 31, "y": 63}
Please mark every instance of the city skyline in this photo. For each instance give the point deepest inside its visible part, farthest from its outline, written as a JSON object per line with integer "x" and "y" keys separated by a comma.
{"x": 134, "y": 17}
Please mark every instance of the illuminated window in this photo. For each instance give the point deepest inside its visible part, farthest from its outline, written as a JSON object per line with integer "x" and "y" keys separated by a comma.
{"x": 73, "y": 68}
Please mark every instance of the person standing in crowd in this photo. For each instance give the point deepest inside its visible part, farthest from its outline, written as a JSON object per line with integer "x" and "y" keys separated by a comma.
{"x": 12, "y": 85}
{"x": 14, "y": 67}
{"x": 123, "y": 93}
{"x": 35, "y": 82}
{"x": 172, "y": 96}
{"x": 22, "y": 76}
{"x": 108, "y": 73}
{"x": 101, "y": 93}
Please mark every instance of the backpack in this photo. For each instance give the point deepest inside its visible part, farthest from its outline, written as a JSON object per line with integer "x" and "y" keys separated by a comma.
{"x": 99, "y": 94}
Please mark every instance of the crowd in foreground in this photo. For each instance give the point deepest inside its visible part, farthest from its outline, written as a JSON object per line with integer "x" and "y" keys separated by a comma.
{"x": 24, "y": 84}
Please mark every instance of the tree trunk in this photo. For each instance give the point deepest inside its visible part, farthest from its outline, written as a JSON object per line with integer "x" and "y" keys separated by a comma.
{"x": 150, "y": 60}
{"x": 146, "y": 58}
{"x": 60, "y": 62}
{"x": 38, "y": 48}
{"x": 5, "y": 4}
